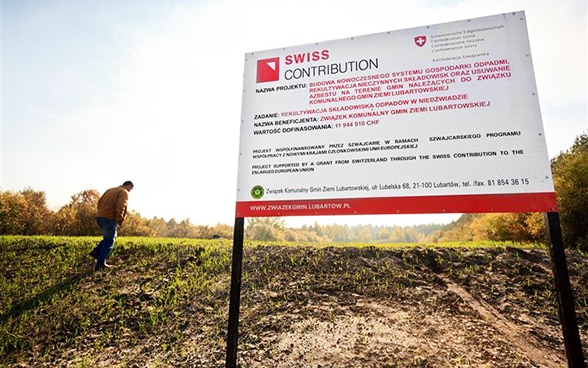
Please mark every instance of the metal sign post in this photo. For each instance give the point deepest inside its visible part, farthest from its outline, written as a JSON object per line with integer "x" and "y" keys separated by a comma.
{"x": 235, "y": 294}
{"x": 567, "y": 313}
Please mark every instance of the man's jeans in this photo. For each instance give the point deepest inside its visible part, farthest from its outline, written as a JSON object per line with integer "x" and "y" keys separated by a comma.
{"x": 105, "y": 246}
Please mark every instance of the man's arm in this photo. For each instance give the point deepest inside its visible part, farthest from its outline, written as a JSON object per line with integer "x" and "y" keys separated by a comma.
{"x": 121, "y": 206}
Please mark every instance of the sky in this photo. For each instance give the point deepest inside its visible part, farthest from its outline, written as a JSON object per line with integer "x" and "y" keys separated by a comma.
{"x": 98, "y": 92}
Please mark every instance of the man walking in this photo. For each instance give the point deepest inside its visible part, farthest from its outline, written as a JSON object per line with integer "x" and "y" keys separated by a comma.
{"x": 112, "y": 209}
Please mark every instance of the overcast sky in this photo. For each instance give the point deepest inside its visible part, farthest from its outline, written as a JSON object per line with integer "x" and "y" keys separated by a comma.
{"x": 98, "y": 92}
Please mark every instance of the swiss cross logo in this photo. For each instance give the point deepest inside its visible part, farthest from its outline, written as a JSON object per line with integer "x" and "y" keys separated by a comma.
{"x": 268, "y": 70}
{"x": 420, "y": 41}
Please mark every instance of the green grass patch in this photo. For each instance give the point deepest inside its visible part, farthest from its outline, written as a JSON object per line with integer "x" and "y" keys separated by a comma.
{"x": 51, "y": 297}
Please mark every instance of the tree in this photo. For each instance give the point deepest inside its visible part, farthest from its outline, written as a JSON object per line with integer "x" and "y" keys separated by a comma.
{"x": 397, "y": 235}
{"x": 518, "y": 227}
{"x": 78, "y": 217}
{"x": 223, "y": 231}
{"x": 24, "y": 213}
{"x": 458, "y": 230}
{"x": 35, "y": 216}
{"x": 10, "y": 210}
{"x": 184, "y": 230}
{"x": 135, "y": 225}
{"x": 266, "y": 229}
{"x": 158, "y": 226}
{"x": 570, "y": 176}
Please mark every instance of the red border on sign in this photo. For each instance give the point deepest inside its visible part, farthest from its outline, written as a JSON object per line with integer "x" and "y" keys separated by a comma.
{"x": 475, "y": 203}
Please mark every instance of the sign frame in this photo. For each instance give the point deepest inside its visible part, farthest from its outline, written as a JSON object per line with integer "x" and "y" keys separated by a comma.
{"x": 332, "y": 123}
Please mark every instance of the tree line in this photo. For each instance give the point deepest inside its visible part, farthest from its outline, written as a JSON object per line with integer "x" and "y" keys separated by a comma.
{"x": 570, "y": 178}
{"x": 26, "y": 213}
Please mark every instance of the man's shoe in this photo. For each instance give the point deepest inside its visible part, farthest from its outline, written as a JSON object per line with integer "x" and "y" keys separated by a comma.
{"x": 101, "y": 266}
{"x": 94, "y": 253}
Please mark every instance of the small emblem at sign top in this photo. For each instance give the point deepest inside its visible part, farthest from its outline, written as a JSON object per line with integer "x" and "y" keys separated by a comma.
{"x": 420, "y": 41}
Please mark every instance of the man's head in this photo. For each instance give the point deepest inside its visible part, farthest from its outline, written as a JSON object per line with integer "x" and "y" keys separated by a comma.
{"x": 128, "y": 185}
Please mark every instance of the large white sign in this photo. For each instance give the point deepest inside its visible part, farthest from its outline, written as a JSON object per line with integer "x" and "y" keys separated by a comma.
{"x": 441, "y": 118}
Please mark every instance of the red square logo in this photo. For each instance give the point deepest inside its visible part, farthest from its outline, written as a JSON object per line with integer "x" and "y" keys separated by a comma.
{"x": 268, "y": 70}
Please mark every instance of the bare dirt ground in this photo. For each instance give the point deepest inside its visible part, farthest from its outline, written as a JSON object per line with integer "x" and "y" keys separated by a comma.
{"x": 411, "y": 308}
{"x": 309, "y": 307}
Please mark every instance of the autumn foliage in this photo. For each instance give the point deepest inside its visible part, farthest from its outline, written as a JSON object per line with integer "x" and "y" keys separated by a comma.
{"x": 570, "y": 177}
{"x": 26, "y": 213}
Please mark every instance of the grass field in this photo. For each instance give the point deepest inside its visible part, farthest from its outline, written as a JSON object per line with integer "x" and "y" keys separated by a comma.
{"x": 165, "y": 303}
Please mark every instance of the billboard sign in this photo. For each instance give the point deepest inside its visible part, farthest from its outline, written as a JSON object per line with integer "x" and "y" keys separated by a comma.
{"x": 437, "y": 119}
